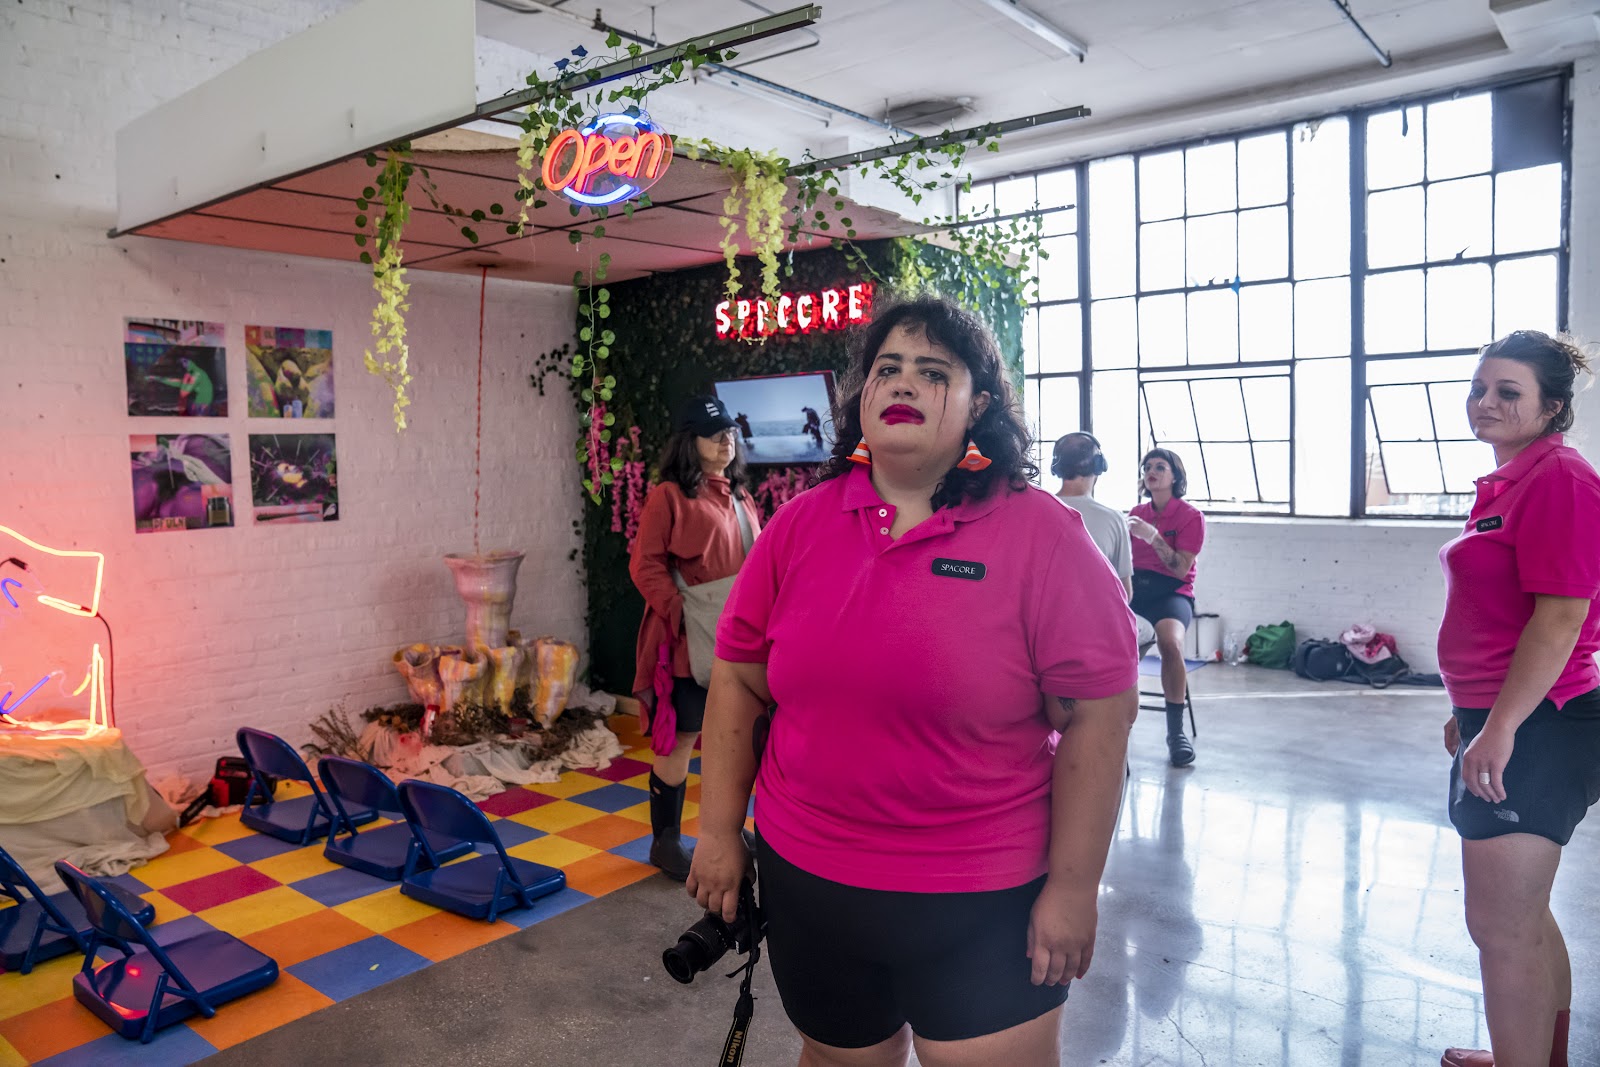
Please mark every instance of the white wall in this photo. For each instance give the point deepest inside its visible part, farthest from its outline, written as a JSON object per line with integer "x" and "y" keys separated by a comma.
{"x": 268, "y": 626}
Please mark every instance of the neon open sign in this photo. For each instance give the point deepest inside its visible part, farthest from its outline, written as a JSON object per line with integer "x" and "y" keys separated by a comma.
{"x": 611, "y": 159}
{"x": 827, "y": 309}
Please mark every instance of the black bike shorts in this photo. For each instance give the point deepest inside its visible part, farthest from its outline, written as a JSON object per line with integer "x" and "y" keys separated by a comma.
{"x": 854, "y": 965}
{"x": 1551, "y": 780}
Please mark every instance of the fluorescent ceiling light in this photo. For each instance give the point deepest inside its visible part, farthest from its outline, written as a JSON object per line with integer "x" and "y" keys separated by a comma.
{"x": 1040, "y": 28}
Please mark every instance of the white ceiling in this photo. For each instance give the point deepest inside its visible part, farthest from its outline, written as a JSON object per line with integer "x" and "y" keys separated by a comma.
{"x": 1156, "y": 69}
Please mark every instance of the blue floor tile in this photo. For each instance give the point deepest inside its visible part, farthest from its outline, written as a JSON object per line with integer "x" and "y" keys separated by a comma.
{"x": 545, "y": 907}
{"x": 128, "y": 882}
{"x": 694, "y": 765}
{"x": 172, "y": 1047}
{"x": 513, "y": 833}
{"x": 256, "y": 847}
{"x": 356, "y": 968}
{"x": 612, "y": 798}
{"x": 639, "y": 850}
{"x": 340, "y": 886}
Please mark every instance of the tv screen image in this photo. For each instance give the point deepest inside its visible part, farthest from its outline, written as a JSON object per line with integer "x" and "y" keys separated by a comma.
{"x": 782, "y": 418}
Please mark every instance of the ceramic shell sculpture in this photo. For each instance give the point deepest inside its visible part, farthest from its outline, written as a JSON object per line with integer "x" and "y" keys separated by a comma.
{"x": 555, "y": 670}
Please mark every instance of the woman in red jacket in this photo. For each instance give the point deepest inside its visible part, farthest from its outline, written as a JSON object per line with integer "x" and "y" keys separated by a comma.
{"x": 691, "y": 529}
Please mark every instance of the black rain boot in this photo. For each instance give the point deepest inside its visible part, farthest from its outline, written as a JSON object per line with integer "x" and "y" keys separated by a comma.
{"x": 1179, "y": 751}
{"x": 667, "y": 850}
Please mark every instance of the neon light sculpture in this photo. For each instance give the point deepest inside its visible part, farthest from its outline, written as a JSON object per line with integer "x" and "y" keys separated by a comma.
{"x": 14, "y": 594}
{"x": 837, "y": 308}
{"x": 613, "y": 158}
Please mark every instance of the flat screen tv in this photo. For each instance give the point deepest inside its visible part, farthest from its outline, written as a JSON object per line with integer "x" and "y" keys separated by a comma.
{"x": 783, "y": 418}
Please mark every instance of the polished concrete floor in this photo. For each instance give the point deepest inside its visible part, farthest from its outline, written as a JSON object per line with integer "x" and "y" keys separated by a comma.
{"x": 1294, "y": 898}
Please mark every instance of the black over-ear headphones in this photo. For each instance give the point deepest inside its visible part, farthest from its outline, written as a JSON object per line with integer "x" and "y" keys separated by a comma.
{"x": 1091, "y": 465}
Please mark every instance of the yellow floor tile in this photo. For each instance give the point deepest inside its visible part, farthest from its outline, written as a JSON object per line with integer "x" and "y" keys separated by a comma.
{"x": 644, "y": 755}
{"x": 570, "y": 785}
{"x": 638, "y": 781}
{"x": 10, "y": 1057}
{"x": 166, "y": 910}
{"x": 384, "y": 910}
{"x": 217, "y": 831}
{"x": 258, "y": 911}
{"x": 641, "y": 812}
{"x": 292, "y": 866}
{"x": 171, "y": 869}
{"x": 51, "y": 980}
{"x": 552, "y": 851}
{"x": 558, "y": 816}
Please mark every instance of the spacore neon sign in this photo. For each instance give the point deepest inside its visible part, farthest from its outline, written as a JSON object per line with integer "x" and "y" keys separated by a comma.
{"x": 827, "y": 309}
{"x": 612, "y": 158}
{"x": 45, "y": 663}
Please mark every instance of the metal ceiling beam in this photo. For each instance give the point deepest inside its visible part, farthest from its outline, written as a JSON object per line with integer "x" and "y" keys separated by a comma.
{"x": 974, "y": 133}
{"x": 744, "y": 32}
{"x": 1344, "y": 9}
{"x": 1050, "y": 34}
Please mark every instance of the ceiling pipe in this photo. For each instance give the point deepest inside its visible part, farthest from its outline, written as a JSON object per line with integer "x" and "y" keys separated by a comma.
{"x": 714, "y": 71}
{"x": 1344, "y": 9}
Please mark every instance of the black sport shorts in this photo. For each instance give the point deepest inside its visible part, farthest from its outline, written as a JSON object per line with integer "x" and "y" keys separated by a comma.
{"x": 854, "y": 965}
{"x": 689, "y": 702}
{"x": 1551, "y": 780}
{"x": 1164, "y": 606}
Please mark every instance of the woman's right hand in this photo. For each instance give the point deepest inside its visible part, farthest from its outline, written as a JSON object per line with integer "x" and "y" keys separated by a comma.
{"x": 719, "y": 866}
{"x": 1452, "y": 735}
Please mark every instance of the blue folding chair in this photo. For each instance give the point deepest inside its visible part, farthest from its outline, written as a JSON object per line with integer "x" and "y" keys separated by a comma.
{"x": 479, "y": 888}
{"x": 381, "y": 852}
{"x": 153, "y": 986}
{"x": 43, "y": 927}
{"x": 300, "y": 820}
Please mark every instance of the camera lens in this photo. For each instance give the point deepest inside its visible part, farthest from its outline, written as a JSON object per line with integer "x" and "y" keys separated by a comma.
{"x": 700, "y": 946}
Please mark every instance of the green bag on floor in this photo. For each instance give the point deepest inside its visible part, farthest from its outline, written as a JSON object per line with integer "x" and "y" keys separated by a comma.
{"x": 1272, "y": 645}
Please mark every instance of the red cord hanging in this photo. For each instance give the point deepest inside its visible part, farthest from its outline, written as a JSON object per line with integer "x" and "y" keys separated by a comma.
{"x": 477, "y": 437}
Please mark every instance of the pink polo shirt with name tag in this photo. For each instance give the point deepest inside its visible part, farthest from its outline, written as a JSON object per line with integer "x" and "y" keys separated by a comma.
{"x": 911, "y": 749}
{"x": 1531, "y": 530}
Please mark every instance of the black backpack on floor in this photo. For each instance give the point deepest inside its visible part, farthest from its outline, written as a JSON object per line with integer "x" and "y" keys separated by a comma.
{"x": 1323, "y": 661}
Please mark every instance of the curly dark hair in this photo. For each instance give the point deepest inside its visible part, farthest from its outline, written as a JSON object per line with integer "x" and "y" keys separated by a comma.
{"x": 680, "y": 462}
{"x": 1180, "y": 477}
{"x": 1555, "y": 362}
{"x": 1001, "y": 432}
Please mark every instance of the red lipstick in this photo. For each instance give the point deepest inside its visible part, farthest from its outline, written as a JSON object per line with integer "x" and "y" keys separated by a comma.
{"x": 895, "y": 414}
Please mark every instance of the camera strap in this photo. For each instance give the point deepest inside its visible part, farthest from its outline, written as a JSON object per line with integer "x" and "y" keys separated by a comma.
{"x": 745, "y": 1009}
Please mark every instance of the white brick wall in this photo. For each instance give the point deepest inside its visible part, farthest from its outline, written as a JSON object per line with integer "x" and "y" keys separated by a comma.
{"x": 261, "y": 625}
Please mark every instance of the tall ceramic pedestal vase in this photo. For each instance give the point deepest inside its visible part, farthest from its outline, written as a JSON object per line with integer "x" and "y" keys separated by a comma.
{"x": 488, "y": 585}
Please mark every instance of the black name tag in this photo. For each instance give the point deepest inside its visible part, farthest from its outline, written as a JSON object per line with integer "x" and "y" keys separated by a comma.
{"x": 1493, "y": 522}
{"x": 960, "y": 568}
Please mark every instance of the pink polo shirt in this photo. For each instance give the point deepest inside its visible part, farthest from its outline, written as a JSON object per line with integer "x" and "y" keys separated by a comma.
{"x": 1182, "y": 526}
{"x": 911, "y": 750}
{"x": 1531, "y": 530}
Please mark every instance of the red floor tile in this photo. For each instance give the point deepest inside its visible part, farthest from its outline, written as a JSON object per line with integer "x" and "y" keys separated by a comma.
{"x": 620, "y": 769}
{"x": 513, "y": 801}
{"x": 219, "y": 888}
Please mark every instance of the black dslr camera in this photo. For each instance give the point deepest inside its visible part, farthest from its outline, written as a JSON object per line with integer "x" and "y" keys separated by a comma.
{"x": 708, "y": 940}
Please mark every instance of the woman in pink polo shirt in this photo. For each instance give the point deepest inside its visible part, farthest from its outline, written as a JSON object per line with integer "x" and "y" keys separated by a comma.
{"x": 1168, "y": 533}
{"x": 924, "y": 621}
{"x": 1516, "y": 649}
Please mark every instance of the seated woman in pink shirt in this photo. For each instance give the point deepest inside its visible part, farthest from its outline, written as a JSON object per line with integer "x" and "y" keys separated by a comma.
{"x": 1168, "y": 533}
{"x": 1516, "y": 649}
{"x": 924, "y": 621}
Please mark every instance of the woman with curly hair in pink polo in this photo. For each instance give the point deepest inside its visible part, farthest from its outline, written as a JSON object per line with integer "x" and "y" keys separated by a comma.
{"x": 1516, "y": 649}
{"x": 925, "y": 621}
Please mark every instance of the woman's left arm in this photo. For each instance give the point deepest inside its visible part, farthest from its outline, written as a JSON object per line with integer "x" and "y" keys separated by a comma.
{"x": 1086, "y": 790}
{"x": 1543, "y": 649}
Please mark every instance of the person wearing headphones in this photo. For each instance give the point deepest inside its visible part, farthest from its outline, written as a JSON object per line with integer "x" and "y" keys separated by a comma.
{"x": 1078, "y": 461}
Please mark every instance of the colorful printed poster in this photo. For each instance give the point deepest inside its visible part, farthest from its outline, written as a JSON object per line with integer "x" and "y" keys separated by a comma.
{"x": 289, "y": 372}
{"x": 294, "y": 477}
{"x": 181, "y": 481}
{"x": 175, "y": 367}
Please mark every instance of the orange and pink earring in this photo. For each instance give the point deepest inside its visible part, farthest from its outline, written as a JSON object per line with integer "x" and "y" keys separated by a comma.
{"x": 862, "y": 454}
{"x": 973, "y": 460}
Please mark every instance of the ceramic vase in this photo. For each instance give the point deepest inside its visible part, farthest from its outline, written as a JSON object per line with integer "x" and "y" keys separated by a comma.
{"x": 487, "y": 584}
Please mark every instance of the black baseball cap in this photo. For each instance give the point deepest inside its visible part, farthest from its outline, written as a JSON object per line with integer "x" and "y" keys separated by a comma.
{"x": 704, "y": 416}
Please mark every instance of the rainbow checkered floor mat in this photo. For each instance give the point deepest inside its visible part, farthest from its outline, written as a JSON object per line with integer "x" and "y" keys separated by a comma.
{"x": 335, "y": 932}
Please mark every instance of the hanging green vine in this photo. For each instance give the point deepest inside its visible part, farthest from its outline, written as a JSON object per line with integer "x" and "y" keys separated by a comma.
{"x": 392, "y": 362}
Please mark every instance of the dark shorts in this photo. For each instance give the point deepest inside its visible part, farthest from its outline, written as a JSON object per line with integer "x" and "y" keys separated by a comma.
{"x": 1164, "y": 606}
{"x": 854, "y": 965}
{"x": 1551, "y": 780}
{"x": 689, "y": 701}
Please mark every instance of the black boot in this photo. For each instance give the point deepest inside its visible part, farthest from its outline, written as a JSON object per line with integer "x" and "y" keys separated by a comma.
{"x": 1179, "y": 751}
{"x": 667, "y": 850}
